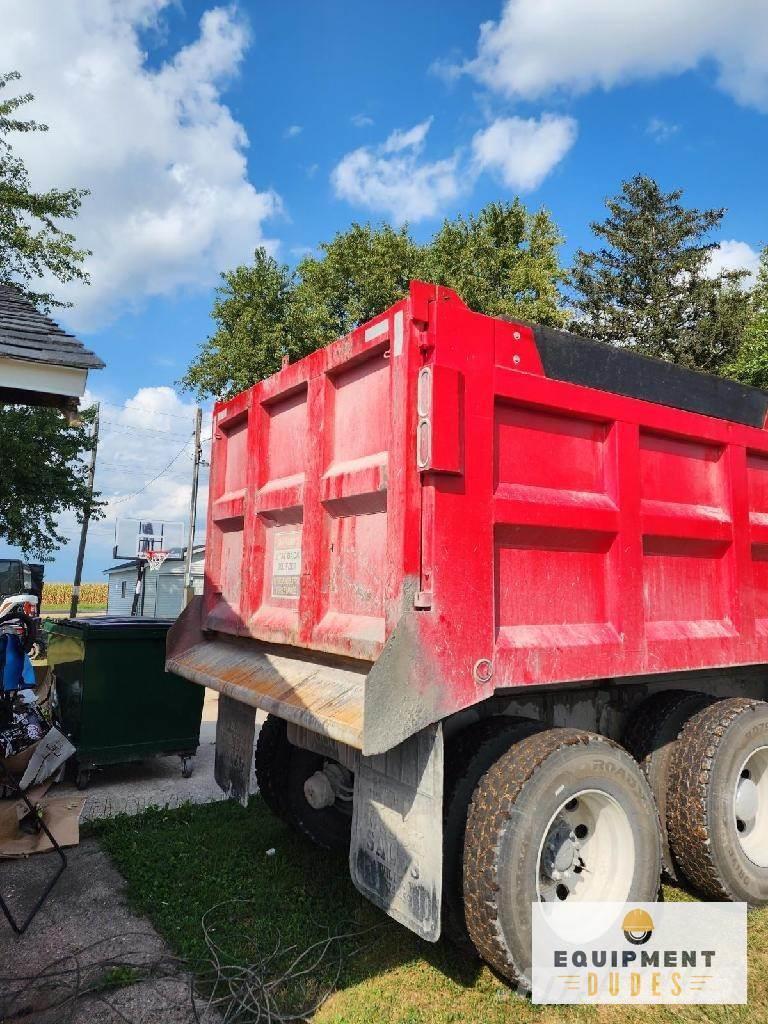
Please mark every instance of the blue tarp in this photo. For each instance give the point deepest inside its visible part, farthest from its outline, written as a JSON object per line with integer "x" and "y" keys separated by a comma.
{"x": 16, "y": 672}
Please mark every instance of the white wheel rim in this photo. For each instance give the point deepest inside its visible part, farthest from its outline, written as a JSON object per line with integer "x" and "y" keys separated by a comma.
{"x": 587, "y": 851}
{"x": 750, "y": 807}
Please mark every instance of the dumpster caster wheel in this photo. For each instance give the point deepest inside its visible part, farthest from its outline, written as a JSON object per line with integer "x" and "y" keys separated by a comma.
{"x": 83, "y": 778}
{"x": 186, "y": 768}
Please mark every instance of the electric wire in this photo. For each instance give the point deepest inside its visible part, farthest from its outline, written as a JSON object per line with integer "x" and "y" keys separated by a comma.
{"x": 127, "y": 497}
{"x": 134, "y": 428}
{"x": 281, "y": 984}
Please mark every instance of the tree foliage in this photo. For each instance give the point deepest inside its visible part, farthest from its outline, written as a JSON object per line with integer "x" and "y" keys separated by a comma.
{"x": 43, "y": 472}
{"x": 650, "y": 286}
{"x": 751, "y": 363}
{"x": 32, "y": 244}
{"x": 252, "y": 309}
{"x": 43, "y": 476}
{"x": 502, "y": 260}
{"x": 360, "y": 273}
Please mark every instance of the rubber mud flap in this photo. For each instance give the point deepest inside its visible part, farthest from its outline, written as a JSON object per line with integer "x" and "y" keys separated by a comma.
{"x": 396, "y": 853}
{"x": 235, "y": 730}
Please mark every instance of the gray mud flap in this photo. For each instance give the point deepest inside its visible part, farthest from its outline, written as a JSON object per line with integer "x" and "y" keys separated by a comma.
{"x": 233, "y": 764}
{"x": 396, "y": 855}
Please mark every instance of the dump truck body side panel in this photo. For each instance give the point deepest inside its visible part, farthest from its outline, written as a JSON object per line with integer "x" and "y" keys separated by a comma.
{"x": 587, "y": 535}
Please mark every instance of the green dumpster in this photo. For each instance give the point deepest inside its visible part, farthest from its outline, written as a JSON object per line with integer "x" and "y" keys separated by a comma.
{"x": 117, "y": 703}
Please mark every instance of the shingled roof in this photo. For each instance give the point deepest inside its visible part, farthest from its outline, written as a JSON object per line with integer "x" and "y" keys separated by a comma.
{"x": 27, "y": 334}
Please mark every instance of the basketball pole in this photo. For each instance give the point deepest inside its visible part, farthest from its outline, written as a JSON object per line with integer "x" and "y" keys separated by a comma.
{"x": 138, "y": 593}
{"x": 86, "y": 518}
{"x": 189, "y": 590}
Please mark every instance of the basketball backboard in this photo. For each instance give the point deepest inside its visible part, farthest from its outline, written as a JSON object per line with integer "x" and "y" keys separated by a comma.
{"x": 135, "y": 537}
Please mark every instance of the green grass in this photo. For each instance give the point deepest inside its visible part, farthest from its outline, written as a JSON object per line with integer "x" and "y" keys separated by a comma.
{"x": 179, "y": 863}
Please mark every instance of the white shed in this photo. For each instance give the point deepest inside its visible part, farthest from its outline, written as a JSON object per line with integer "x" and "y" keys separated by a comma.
{"x": 163, "y": 588}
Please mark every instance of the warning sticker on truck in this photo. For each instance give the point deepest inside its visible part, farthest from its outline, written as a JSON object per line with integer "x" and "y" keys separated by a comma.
{"x": 286, "y": 565}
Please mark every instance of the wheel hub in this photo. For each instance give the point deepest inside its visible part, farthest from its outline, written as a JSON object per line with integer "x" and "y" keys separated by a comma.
{"x": 750, "y": 806}
{"x": 746, "y": 800}
{"x": 587, "y": 851}
{"x": 561, "y": 850}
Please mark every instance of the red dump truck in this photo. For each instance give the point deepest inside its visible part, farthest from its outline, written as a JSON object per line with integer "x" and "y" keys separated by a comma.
{"x": 503, "y": 593}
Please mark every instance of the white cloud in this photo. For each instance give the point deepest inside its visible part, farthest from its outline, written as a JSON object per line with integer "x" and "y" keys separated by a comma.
{"x": 538, "y": 46}
{"x": 408, "y": 138}
{"x": 293, "y": 130}
{"x": 138, "y": 439}
{"x": 361, "y": 120}
{"x": 661, "y": 130}
{"x": 392, "y": 179}
{"x": 734, "y": 255}
{"x": 171, "y": 204}
{"x": 523, "y": 151}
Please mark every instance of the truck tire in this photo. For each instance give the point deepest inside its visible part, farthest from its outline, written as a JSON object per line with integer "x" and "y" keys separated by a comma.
{"x": 555, "y": 817}
{"x": 270, "y": 741}
{"x": 650, "y": 739}
{"x": 468, "y": 755}
{"x": 717, "y": 815}
{"x": 281, "y": 771}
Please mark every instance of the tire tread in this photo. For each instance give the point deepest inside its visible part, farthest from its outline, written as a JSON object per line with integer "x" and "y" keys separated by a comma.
{"x": 691, "y": 768}
{"x": 491, "y": 807}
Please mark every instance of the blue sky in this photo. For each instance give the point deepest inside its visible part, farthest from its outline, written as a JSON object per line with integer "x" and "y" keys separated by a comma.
{"x": 203, "y": 131}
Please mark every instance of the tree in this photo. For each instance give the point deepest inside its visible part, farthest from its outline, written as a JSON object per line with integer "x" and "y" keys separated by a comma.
{"x": 251, "y": 309}
{"x": 43, "y": 476}
{"x": 43, "y": 472}
{"x": 502, "y": 260}
{"x": 32, "y": 245}
{"x": 361, "y": 272}
{"x": 751, "y": 363}
{"x": 651, "y": 287}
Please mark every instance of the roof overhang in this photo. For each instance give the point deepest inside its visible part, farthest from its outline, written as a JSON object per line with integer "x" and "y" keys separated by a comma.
{"x": 31, "y": 382}
{"x": 40, "y": 362}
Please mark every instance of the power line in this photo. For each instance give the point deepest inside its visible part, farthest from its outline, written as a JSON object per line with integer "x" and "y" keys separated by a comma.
{"x": 127, "y": 497}
{"x": 134, "y": 428}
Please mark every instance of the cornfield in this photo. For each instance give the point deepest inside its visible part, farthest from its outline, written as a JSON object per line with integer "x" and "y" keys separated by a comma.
{"x": 57, "y": 595}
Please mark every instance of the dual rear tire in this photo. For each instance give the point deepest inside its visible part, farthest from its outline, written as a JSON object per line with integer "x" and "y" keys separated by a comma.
{"x": 282, "y": 770}
{"x": 561, "y": 815}
{"x": 706, "y": 761}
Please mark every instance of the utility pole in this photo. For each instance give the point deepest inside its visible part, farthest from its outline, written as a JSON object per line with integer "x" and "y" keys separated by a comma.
{"x": 189, "y": 590}
{"x": 86, "y": 518}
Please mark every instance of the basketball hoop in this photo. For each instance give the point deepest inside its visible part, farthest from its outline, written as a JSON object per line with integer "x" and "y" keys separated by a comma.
{"x": 155, "y": 559}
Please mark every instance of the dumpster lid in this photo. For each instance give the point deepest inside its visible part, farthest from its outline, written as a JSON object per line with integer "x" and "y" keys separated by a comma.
{"x": 107, "y": 627}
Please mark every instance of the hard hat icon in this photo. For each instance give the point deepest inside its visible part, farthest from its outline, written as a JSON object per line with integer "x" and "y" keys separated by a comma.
{"x": 637, "y": 926}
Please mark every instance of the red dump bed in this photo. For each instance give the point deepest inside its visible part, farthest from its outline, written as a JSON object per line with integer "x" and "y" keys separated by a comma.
{"x": 425, "y": 488}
